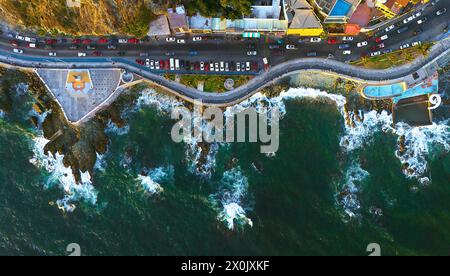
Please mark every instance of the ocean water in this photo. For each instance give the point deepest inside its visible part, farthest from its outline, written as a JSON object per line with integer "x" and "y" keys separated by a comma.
{"x": 331, "y": 189}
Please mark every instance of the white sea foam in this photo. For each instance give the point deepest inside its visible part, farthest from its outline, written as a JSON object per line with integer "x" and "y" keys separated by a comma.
{"x": 2, "y": 114}
{"x": 164, "y": 103}
{"x": 230, "y": 197}
{"x": 100, "y": 163}
{"x": 152, "y": 181}
{"x": 113, "y": 128}
{"x": 348, "y": 189}
{"x": 63, "y": 178}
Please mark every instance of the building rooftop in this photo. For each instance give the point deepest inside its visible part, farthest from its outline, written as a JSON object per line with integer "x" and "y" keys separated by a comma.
{"x": 159, "y": 27}
{"x": 305, "y": 19}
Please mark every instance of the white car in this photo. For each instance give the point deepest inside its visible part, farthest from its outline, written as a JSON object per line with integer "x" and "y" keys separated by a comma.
{"x": 197, "y": 38}
{"x": 238, "y": 66}
{"x": 390, "y": 28}
{"x": 405, "y": 46}
{"x": 290, "y": 47}
{"x": 316, "y": 39}
{"x": 18, "y": 51}
{"x": 19, "y": 37}
{"x": 217, "y": 67}
{"x": 30, "y": 39}
{"x": 170, "y": 39}
{"x": 347, "y": 52}
{"x": 362, "y": 44}
{"x": 181, "y": 41}
{"x": 222, "y": 66}
{"x": 247, "y": 66}
{"x": 374, "y": 54}
{"x": 417, "y": 15}
{"x": 441, "y": 12}
{"x": 416, "y": 43}
{"x": 251, "y": 53}
{"x": 52, "y": 54}
{"x": 81, "y": 54}
{"x": 409, "y": 19}
{"x": 347, "y": 38}
{"x": 123, "y": 41}
{"x": 202, "y": 66}
{"x": 156, "y": 65}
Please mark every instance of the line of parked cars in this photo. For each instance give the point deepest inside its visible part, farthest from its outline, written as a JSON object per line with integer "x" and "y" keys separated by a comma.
{"x": 175, "y": 64}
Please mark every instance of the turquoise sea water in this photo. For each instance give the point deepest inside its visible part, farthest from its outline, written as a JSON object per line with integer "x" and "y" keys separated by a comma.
{"x": 329, "y": 190}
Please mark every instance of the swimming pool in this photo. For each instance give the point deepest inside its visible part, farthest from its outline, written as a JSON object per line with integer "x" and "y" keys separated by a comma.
{"x": 384, "y": 91}
{"x": 341, "y": 8}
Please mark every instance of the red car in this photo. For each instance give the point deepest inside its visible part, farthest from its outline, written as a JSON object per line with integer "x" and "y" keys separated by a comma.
{"x": 378, "y": 47}
{"x": 133, "y": 41}
{"x": 50, "y": 41}
{"x": 140, "y": 62}
{"x": 207, "y": 66}
{"x": 76, "y": 41}
{"x": 167, "y": 64}
{"x": 97, "y": 54}
{"x": 161, "y": 64}
{"x": 14, "y": 43}
{"x": 103, "y": 40}
{"x": 87, "y": 41}
{"x": 254, "y": 66}
{"x": 332, "y": 40}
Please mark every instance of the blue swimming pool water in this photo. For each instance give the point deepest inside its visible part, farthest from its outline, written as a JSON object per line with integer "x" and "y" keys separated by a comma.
{"x": 385, "y": 91}
{"x": 341, "y": 8}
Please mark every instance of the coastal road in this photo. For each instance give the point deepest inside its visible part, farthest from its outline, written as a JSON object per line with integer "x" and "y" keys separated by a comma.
{"x": 211, "y": 48}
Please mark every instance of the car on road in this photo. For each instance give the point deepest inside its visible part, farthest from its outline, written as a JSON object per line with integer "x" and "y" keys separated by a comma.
{"x": 157, "y": 65}
{"x": 381, "y": 38}
{"x": 417, "y": 15}
{"x": 32, "y": 45}
{"x": 19, "y": 37}
{"x": 112, "y": 47}
{"x": 170, "y": 39}
{"x": 387, "y": 51}
{"x": 405, "y": 46}
{"x": 181, "y": 41}
{"x": 251, "y": 53}
{"x": 140, "y": 62}
{"x": 344, "y": 46}
{"x": 216, "y": 67}
{"x": 435, "y": 2}
{"x": 91, "y": 47}
{"x": 390, "y": 28}
{"x": 103, "y": 40}
{"x": 441, "y": 12}
{"x": 14, "y": 43}
{"x": 76, "y": 41}
{"x": 409, "y": 19}
{"x": 416, "y": 43}
{"x": 222, "y": 66}
{"x": 86, "y": 41}
{"x": 422, "y": 20}
{"x": 402, "y": 30}
{"x": 133, "y": 41}
{"x": 315, "y": 39}
{"x": 347, "y": 38}
{"x": 52, "y": 54}
{"x": 347, "y": 52}
{"x": 332, "y": 41}
{"x": 290, "y": 47}
{"x": 18, "y": 51}
{"x": 266, "y": 64}
{"x": 374, "y": 54}
{"x": 379, "y": 46}
{"x": 123, "y": 41}
{"x": 197, "y": 38}
{"x": 81, "y": 54}
{"x": 30, "y": 39}
{"x": 202, "y": 66}
{"x": 247, "y": 66}
{"x": 362, "y": 44}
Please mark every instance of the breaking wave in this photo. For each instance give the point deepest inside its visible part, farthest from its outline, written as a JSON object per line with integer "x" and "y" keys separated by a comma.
{"x": 63, "y": 178}
{"x": 151, "y": 181}
{"x": 348, "y": 189}
{"x": 113, "y": 128}
{"x": 164, "y": 103}
{"x": 230, "y": 197}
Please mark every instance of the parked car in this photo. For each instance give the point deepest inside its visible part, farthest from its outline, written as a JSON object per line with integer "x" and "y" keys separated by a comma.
{"x": 197, "y": 38}
{"x": 332, "y": 40}
{"x": 102, "y": 40}
{"x": 409, "y": 19}
{"x": 133, "y": 40}
{"x": 290, "y": 47}
{"x": 362, "y": 44}
{"x": 405, "y": 46}
{"x": 170, "y": 39}
{"x": 416, "y": 43}
{"x": 347, "y": 38}
{"x": 347, "y": 52}
{"x": 112, "y": 47}
{"x": 123, "y": 41}
{"x": 402, "y": 30}
{"x": 81, "y": 54}
{"x": 181, "y": 41}
{"x": 18, "y": 51}
{"x": 316, "y": 39}
{"x": 86, "y": 41}
{"x": 422, "y": 20}
{"x": 344, "y": 46}
{"x": 441, "y": 12}
{"x": 52, "y": 54}
{"x": 251, "y": 53}
{"x": 390, "y": 28}
{"x": 374, "y": 54}
{"x": 381, "y": 38}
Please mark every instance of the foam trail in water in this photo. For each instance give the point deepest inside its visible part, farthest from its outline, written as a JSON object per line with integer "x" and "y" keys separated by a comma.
{"x": 228, "y": 201}
{"x": 151, "y": 182}
{"x": 63, "y": 177}
{"x": 347, "y": 196}
{"x": 113, "y": 128}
